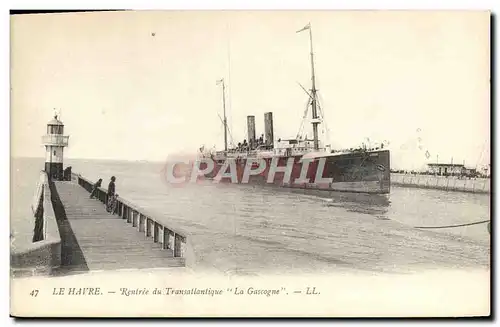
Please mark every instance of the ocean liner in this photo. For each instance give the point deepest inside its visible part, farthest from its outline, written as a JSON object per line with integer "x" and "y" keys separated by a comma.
{"x": 312, "y": 164}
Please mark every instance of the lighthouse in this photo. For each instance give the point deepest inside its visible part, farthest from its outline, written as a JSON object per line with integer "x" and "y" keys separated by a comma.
{"x": 54, "y": 142}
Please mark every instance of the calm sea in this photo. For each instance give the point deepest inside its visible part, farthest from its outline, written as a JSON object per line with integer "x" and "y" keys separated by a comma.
{"x": 244, "y": 229}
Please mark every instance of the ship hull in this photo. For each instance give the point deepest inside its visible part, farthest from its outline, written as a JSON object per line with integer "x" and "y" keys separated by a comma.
{"x": 363, "y": 172}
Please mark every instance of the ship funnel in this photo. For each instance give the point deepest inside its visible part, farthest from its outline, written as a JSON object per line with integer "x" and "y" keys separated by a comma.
{"x": 268, "y": 128}
{"x": 251, "y": 131}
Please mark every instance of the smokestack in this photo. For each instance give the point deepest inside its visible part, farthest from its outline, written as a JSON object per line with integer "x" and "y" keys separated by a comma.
{"x": 251, "y": 131}
{"x": 268, "y": 128}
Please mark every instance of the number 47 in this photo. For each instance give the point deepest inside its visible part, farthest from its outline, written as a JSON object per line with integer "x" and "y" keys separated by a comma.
{"x": 34, "y": 293}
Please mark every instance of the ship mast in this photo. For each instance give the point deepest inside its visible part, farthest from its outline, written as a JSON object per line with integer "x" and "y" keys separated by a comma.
{"x": 221, "y": 81}
{"x": 315, "y": 118}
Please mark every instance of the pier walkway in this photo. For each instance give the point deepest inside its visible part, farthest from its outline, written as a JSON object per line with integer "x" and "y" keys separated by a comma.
{"x": 92, "y": 239}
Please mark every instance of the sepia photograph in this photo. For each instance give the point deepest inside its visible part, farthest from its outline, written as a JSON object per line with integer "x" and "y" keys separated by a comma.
{"x": 238, "y": 163}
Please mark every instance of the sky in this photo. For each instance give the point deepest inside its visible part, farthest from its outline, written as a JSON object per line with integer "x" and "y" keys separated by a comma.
{"x": 419, "y": 80}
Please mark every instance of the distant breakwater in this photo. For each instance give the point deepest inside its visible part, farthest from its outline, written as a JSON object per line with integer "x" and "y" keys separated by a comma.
{"x": 450, "y": 183}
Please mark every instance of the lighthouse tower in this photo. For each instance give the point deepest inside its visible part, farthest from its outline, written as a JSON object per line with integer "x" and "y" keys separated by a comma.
{"x": 54, "y": 142}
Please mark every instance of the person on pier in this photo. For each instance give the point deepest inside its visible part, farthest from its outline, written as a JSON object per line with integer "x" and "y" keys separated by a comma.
{"x": 94, "y": 189}
{"x": 111, "y": 205}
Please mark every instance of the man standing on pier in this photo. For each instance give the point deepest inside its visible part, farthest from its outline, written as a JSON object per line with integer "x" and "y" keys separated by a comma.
{"x": 111, "y": 195}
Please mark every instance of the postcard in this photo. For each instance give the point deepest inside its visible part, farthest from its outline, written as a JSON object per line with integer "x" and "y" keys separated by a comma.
{"x": 250, "y": 164}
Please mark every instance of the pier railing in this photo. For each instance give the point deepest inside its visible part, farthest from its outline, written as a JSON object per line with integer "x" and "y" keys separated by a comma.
{"x": 167, "y": 236}
{"x": 44, "y": 254}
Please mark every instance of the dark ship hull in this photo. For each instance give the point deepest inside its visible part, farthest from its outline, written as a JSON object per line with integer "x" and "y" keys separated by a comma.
{"x": 357, "y": 172}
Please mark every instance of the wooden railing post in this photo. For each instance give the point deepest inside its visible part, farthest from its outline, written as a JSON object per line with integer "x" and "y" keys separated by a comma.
{"x": 148, "y": 227}
{"x": 166, "y": 236}
{"x": 177, "y": 246}
{"x": 141, "y": 222}
{"x": 171, "y": 239}
{"x": 134, "y": 218}
{"x": 129, "y": 215}
{"x": 155, "y": 232}
{"x": 183, "y": 248}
